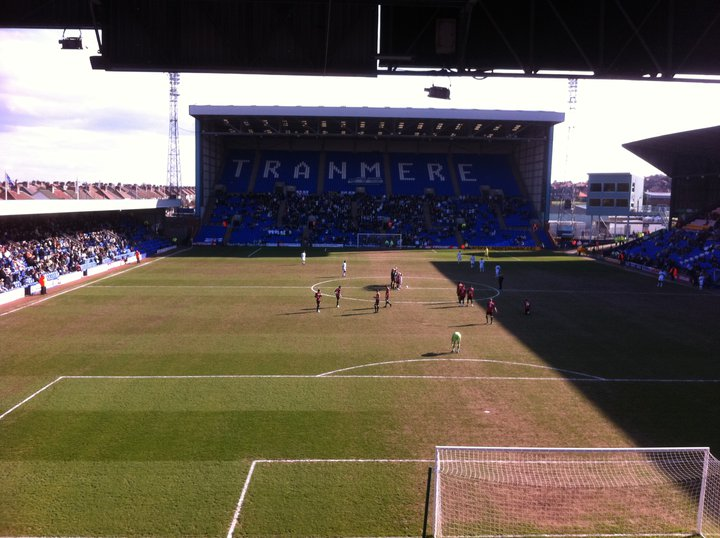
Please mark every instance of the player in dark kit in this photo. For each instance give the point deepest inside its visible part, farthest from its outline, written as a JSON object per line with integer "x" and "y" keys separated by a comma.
{"x": 387, "y": 296}
{"x": 318, "y": 297}
{"x": 460, "y": 291}
{"x": 338, "y": 294}
{"x": 490, "y": 312}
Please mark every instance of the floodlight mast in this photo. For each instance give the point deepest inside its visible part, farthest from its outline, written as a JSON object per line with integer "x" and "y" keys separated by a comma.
{"x": 173, "y": 158}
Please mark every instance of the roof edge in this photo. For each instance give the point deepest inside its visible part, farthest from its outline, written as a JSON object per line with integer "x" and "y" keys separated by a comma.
{"x": 379, "y": 112}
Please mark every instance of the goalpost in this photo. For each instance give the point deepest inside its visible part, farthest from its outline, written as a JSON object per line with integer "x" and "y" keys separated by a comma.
{"x": 369, "y": 240}
{"x": 583, "y": 492}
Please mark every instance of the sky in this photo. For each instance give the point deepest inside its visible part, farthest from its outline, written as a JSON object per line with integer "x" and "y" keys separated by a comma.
{"x": 61, "y": 120}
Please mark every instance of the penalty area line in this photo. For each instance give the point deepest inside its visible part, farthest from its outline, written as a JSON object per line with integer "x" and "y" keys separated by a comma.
{"x": 333, "y": 375}
{"x": 13, "y": 408}
{"x": 246, "y": 485}
{"x": 330, "y": 375}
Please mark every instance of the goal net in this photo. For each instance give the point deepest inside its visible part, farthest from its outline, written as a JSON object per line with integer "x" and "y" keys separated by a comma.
{"x": 368, "y": 240}
{"x": 533, "y": 492}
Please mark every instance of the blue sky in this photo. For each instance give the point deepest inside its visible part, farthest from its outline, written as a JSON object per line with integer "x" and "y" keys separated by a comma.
{"x": 61, "y": 120}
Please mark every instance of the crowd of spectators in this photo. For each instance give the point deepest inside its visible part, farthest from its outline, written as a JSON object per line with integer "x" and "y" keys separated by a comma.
{"x": 248, "y": 208}
{"x": 57, "y": 246}
{"x": 326, "y": 217}
{"x": 444, "y": 217}
{"x": 475, "y": 218}
{"x": 335, "y": 218}
{"x": 403, "y": 215}
{"x": 688, "y": 251}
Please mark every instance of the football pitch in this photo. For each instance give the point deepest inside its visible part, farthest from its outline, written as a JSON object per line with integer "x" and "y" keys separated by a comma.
{"x": 201, "y": 394}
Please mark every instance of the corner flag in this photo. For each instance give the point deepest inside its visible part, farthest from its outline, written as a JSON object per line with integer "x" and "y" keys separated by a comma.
{"x": 9, "y": 181}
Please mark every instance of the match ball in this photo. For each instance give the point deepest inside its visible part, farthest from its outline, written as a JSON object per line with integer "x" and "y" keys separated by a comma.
{"x": 407, "y": 286}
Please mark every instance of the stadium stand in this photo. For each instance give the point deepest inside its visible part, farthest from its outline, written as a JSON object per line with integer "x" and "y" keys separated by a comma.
{"x": 342, "y": 175}
{"x": 62, "y": 244}
{"x": 692, "y": 249}
{"x": 327, "y": 198}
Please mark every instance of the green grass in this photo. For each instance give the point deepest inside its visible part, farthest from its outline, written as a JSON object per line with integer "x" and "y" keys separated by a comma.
{"x": 336, "y": 499}
{"x": 169, "y": 457}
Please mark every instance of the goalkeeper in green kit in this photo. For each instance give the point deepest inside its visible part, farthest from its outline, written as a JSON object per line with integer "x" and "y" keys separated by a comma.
{"x": 455, "y": 341}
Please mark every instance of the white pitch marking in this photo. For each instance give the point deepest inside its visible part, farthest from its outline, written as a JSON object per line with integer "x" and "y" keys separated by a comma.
{"x": 344, "y": 460}
{"x": 201, "y": 376}
{"x": 204, "y": 286}
{"x": 246, "y": 485}
{"x": 464, "y": 360}
{"x": 594, "y": 535}
{"x": 324, "y": 376}
{"x": 74, "y": 288}
{"x": 327, "y": 375}
{"x": 241, "y": 500}
{"x": 13, "y": 408}
{"x": 484, "y": 287}
{"x": 434, "y": 377}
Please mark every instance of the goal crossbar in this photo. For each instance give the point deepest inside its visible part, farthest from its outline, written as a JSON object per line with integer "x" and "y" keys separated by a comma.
{"x": 518, "y": 492}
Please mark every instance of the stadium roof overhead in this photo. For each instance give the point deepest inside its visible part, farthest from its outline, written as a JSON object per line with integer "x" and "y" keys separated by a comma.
{"x": 617, "y": 39}
{"x": 686, "y": 154}
{"x": 373, "y": 122}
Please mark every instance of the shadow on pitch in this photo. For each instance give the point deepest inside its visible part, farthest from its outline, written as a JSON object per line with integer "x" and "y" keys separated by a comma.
{"x": 298, "y": 313}
{"x": 372, "y": 288}
{"x": 360, "y": 312}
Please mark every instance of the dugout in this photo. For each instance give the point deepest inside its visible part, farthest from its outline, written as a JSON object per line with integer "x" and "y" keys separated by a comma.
{"x": 380, "y": 151}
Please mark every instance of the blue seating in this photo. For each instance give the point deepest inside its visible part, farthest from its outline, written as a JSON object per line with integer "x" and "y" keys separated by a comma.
{"x": 210, "y": 233}
{"x": 413, "y": 173}
{"x": 237, "y": 172}
{"x": 475, "y": 171}
{"x": 345, "y": 171}
{"x": 423, "y": 203}
{"x": 296, "y": 168}
{"x": 151, "y": 246}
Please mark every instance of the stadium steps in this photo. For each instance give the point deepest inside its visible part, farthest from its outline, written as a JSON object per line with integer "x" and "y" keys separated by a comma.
{"x": 500, "y": 218}
{"x": 539, "y": 242}
{"x": 228, "y": 233}
{"x": 453, "y": 175}
{"x": 282, "y": 211}
{"x": 209, "y": 209}
{"x": 427, "y": 216}
{"x": 354, "y": 214}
